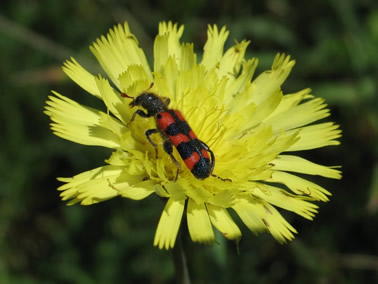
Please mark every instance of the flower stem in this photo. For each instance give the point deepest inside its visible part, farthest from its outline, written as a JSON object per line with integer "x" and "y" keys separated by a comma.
{"x": 179, "y": 260}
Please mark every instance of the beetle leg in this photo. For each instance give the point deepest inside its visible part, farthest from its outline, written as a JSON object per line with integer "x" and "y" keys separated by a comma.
{"x": 140, "y": 113}
{"x": 207, "y": 148}
{"x": 212, "y": 161}
{"x": 166, "y": 100}
{"x": 222, "y": 179}
{"x": 168, "y": 149}
{"x": 148, "y": 133}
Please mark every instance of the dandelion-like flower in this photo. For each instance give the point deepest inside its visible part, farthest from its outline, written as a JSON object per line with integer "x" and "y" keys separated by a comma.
{"x": 249, "y": 125}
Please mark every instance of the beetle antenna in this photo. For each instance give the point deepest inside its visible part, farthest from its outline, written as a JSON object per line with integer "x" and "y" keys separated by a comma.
{"x": 151, "y": 85}
{"x": 124, "y": 95}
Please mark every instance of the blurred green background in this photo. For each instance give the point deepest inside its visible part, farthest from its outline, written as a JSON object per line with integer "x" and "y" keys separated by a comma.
{"x": 335, "y": 44}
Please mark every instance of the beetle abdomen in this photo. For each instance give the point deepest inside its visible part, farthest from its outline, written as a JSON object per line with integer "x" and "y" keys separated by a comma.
{"x": 191, "y": 150}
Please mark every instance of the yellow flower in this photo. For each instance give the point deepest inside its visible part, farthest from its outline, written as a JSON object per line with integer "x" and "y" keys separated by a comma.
{"x": 250, "y": 126}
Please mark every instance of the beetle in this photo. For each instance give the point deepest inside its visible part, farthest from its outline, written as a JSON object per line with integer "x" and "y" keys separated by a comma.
{"x": 175, "y": 131}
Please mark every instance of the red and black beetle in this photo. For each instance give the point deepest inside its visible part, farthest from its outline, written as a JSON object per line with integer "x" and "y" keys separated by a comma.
{"x": 175, "y": 131}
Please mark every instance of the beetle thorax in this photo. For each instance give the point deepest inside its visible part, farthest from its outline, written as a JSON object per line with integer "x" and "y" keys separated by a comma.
{"x": 151, "y": 102}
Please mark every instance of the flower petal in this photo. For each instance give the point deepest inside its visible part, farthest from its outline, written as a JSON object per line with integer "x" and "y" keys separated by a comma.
{"x": 169, "y": 224}
{"x": 299, "y": 185}
{"x": 166, "y": 80}
{"x": 259, "y": 216}
{"x": 249, "y": 156}
{"x": 269, "y": 82}
{"x": 222, "y": 220}
{"x": 115, "y": 103}
{"x": 134, "y": 80}
{"x": 81, "y": 77}
{"x": 167, "y": 44}
{"x": 82, "y": 124}
{"x": 175, "y": 190}
{"x": 299, "y": 165}
{"x": 316, "y": 136}
{"x": 264, "y": 109}
{"x": 280, "y": 229}
{"x": 225, "y": 198}
{"x": 118, "y": 51}
{"x": 91, "y": 187}
{"x": 189, "y": 88}
{"x": 213, "y": 50}
{"x": 199, "y": 224}
{"x": 135, "y": 190}
{"x": 279, "y": 197}
{"x": 291, "y": 100}
{"x": 264, "y": 94}
{"x": 230, "y": 63}
{"x": 248, "y": 214}
{"x": 241, "y": 83}
{"x": 188, "y": 58}
{"x": 299, "y": 115}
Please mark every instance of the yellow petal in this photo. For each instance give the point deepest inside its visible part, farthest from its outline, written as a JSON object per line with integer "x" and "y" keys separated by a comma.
{"x": 188, "y": 86}
{"x": 167, "y": 44}
{"x": 169, "y": 224}
{"x": 241, "y": 82}
{"x": 188, "y": 58}
{"x": 113, "y": 100}
{"x": 225, "y": 198}
{"x": 316, "y": 136}
{"x": 287, "y": 201}
{"x": 81, "y": 124}
{"x": 299, "y": 165}
{"x": 135, "y": 190}
{"x": 269, "y": 82}
{"x": 299, "y": 115}
{"x": 230, "y": 63}
{"x": 264, "y": 94}
{"x": 118, "y": 51}
{"x": 166, "y": 81}
{"x": 260, "y": 215}
{"x": 199, "y": 224}
{"x": 134, "y": 80}
{"x": 291, "y": 100}
{"x": 92, "y": 186}
{"x": 175, "y": 190}
{"x": 299, "y": 185}
{"x": 81, "y": 77}
{"x": 198, "y": 194}
{"x": 264, "y": 109}
{"x": 213, "y": 50}
{"x": 170, "y": 27}
{"x": 280, "y": 229}
{"x": 222, "y": 220}
{"x": 248, "y": 214}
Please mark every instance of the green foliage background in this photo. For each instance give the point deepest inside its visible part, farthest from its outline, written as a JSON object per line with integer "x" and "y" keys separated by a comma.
{"x": 335, "y": 44}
